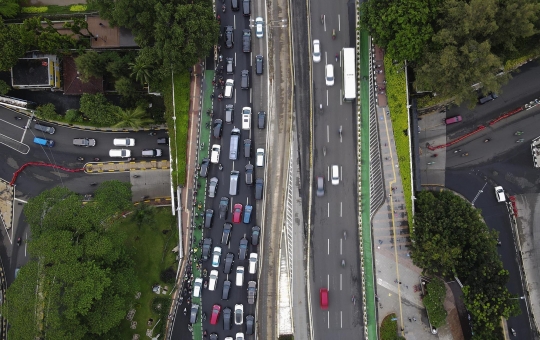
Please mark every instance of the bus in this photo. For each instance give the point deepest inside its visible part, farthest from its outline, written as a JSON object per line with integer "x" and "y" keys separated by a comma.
{"x": 349, "y": 75}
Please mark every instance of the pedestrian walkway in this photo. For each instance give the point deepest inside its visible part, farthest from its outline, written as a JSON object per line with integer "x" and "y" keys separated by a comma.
{"x": 100, "y": 167}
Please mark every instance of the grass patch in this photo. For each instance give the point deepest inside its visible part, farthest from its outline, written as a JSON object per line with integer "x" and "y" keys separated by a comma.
{"x": 397, "y": 102}
{"x": 389, "y": 328}
{"x": 182, "y": 82}
{"x": 151, "y": 247}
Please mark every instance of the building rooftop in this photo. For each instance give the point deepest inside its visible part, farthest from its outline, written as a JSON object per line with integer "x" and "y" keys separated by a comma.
{"x": 31, "y": 72}
{"x": 73, "y": 84}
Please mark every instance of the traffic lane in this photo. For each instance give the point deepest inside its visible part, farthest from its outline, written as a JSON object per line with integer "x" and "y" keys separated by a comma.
{"x": 521, "y": 89}
{"x": 12, "y": 128}
{"x": 496, "y": 215}
{"x": 502, "y": 141}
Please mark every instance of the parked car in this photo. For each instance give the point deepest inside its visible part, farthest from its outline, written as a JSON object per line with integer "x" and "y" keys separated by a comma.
{"x": 223, "y": 208}
{"x": 226, "y": 235}
{"x": 216, "y": 151}
{"x": 197, "y": 287}
{"x": 247, "y": 213}
{"x": 237, "y": 213}
{"x": 216, "y": 257}
{"x": 212, "y": 188}
{"x": 242, "y": 251}
{"x": 452, "y": 120}
{"x": 208, "y": 217}
{"x": 255, "y": 234}
{"x": 86, "y": 142}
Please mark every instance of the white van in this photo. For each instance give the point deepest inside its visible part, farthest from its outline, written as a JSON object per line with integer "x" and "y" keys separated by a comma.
{"x": 233, "y": 188}
{"x": 124, "y": 142}
{"x": 253, "y": 257}
{"x": 335, "y": 175}
{"x": 246, "y": 118}
{"x": 235, "y": 139}
{"x": 197, "y": 287}
{"x": 120, "y": 153}
{"x": 212, "y": 282}
{"x": 216, "y": 150}
{"x": 240, "y": 276}
{"x": 229, "y": 88}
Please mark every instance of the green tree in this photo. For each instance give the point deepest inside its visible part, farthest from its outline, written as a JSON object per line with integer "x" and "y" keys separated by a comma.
{"x": 12, "y": 46}
{"x": 77, "y": 26}
{"x": 134, "y": 118}
{"x": 79, "y": 264}
{"x": 90, "y": 64}
{"x": 4, "y": 87}
{"x": 140, "y": 70}
{"x": 403, "y": 28}
{"x": 125, "y": 87}
{"x": 47, "y": 111}
{"x": 118, "y": 65}
{"x": 73, "y": 116}
{"x": 143, "y": 215}
{"x": 96, "y": 108}
{"x": 9, "y": 8}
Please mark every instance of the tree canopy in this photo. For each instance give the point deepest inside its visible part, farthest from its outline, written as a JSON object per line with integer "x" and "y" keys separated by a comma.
{"x": 79, "y": 265}
{"x": 450, "y": 239}
{"x": 454, "y": 44}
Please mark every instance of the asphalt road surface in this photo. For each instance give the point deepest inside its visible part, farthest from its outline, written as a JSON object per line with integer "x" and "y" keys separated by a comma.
{"x": 501, "y": 161}
{"x": 241, "y": 98}
{"x": 336, "y": 212}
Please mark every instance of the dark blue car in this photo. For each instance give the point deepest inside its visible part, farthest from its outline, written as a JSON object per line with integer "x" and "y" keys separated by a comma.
{"x": 247, "y": 214}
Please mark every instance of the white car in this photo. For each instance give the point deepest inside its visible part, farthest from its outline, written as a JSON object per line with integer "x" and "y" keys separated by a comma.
{"x": 316, "y": 51}
{"x": 246, "y": 118}
{"x": 259, "y": 27}
{"x": 259, "y": 157}
{"x": 329, "y": 74}
{"x": 212, "y": 281}
{"x": 239, "y": 336}
{"x": 499, "y": 194}
{"x": 197, "y": 287}
{"x": 252, "y": 268}
{"x": 238, "y": 314}
{"x": 335, "y": 175}
{"x": 122, "y": 153}
{"x": 229, "y": 88}
{"x": 216, "y": 257}
{"x": 124, "y": 142}
{"x": 214, "y": 156}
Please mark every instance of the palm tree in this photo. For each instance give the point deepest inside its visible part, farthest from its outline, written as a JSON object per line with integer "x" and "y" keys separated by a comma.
{"x": 133, "y": 118}
{"x": 140, "y": 70}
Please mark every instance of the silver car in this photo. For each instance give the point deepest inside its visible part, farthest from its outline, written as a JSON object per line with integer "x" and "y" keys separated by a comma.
{"x": 212, "y": 188}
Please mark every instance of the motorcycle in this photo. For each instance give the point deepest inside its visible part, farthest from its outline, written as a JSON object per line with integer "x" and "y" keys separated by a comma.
{"x": 223, "y": 8}
{"x": 205, "y": 284}
{"x": 434, "y": 155}
{"x": 18, "y": 118}
{"x": 19, "y": 241}
{"x": 513, "y": 332}
{"x": 80, "y": 159}
{"x": 345, "y": 235}
{"x": 456, "y": 151}
{"x": 93, "y": 184}
{"x": 136, "y": 176}
{"x": 322, "y": 19}
{"x": 324, "y": 150}
{"x": 518, "y": 133}
{"x": 204, "y": 272}
{"x": 464, "y": 154}
{"x": 486, "y": 140}
{"x": 153, "y": 133}
{"x": 343, "y": 263}
{"x": 96, "y": 159}
{"x": 220, "y": 167}
{"x": 520, "y": 140}
{"x": 334, "y": 34}
{"x": 431, "y": 163}
{"x": 131, "y": 159}
{"x": 337, "y": 57}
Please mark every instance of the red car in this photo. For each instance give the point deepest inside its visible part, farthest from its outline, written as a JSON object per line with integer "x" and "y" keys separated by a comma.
{"x": 215, "y": 314}
{"x": 237, "y": 213}
{"x": 323, "y": 295}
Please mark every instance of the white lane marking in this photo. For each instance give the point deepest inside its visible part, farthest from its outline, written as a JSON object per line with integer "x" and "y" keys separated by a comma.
{"x": 341, "y": 173}
{"x": 341, "y": 209}
{"x": 328, "y": 281}
{"x": 341, "y": 312}
{"x": 339, "y": 22}
{"x": 340, "y": 281}
{"x": 328, "y": 209}
{"x": 327, "y": 134}
{"x": 328, "y": 246}
{"x": 328, "y": 319}
{"x": 340, "y": 246}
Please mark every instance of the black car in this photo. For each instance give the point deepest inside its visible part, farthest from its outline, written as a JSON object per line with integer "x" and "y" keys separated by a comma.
{"x": 259, "y": 188}
{"x": 255, "y": 233}
{"x": 204, "y": 167}
{"x": 223, "y": 208}
{"x": 193, "y": 314}
{"x": 163, "y": 141}
{"x": 227, "y": 319}
{"x": 249, "y": 174}
{"x": 246, "y": 8}
{"x": 226, "y": 290}
{"x": 246, "y": 41}
{"x": 229, "y": 261}
{"x": 247, "y": 148}
{"x": 244, "y": 82}
{"x": 218, "y": 128}
{"x": 207, "y": 246}
{"x": 242, "y": 252}
{"x": 259, "y": 64}
{"x": 235, "y": 5}
{"x": 250, "y": 324}
{"x": 208, "y": 216}
{"x": 261, "y": 120}
{"x": 226, "y": 236}
{"x": 229, "y": 36}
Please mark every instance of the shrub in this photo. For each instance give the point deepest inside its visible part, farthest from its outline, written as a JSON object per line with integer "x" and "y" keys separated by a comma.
{"x": 47, "y": 111}
{"x": 396, "y": 90}
{"x": 32, "y": 9}
{"x": 73, "y": 116}
{"x": 160, "y": 305}
{"x": 389, "y": 328}
{"x": 168, "y": 275}
{"x": 434, "y": 299}
{"x": 78, "y": 8}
